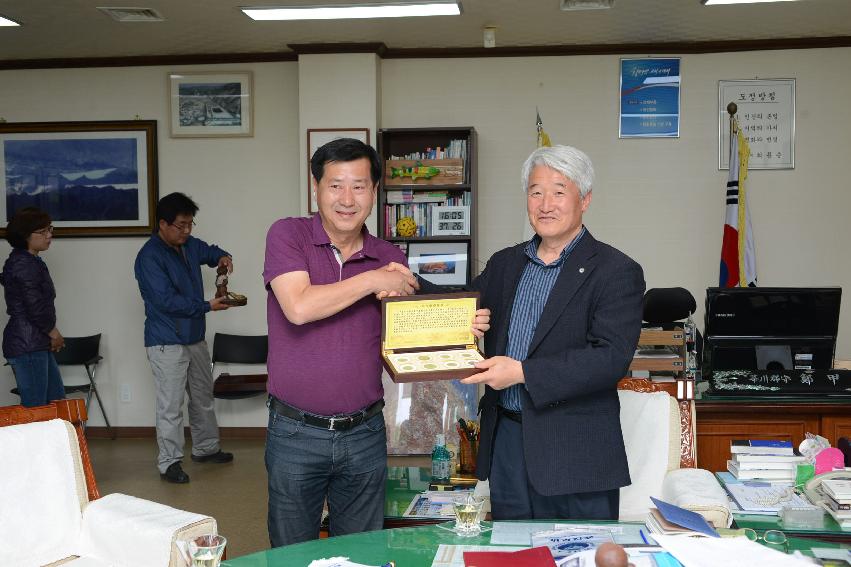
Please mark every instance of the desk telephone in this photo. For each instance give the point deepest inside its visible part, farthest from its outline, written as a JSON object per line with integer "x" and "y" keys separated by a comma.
{"x": 813, "y": 489}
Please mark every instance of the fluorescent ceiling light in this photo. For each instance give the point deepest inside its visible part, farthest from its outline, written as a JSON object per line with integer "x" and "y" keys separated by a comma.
{"x": 342, "y": 12}
{"x": 717, "y": 2}
{"x": 7, "y": 22}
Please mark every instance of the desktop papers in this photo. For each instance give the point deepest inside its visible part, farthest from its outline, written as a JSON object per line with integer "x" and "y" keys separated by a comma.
{"x": 434, "y": 504}
{"x": 453, "y": 555}
{"x": 520, "y": 533}
{"x": 729, "y": 552}
{"x": 765, "y": 500}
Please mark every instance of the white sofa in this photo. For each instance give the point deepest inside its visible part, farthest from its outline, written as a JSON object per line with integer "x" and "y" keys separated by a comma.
{"x": 47, "y": 517}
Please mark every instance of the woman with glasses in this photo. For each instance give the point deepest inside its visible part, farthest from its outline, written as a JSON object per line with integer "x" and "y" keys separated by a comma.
{"x": 31, "y": 337}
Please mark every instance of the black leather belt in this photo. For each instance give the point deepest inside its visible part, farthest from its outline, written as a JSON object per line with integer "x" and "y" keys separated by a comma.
{"x": 512, "y": 415}
{"x": 331, "y": 422}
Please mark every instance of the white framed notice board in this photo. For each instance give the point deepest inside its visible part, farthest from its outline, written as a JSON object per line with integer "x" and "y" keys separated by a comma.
{"x": 766, "y": 116}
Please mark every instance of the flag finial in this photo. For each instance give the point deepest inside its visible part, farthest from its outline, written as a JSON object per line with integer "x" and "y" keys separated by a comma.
{"x": 543, "y": 137}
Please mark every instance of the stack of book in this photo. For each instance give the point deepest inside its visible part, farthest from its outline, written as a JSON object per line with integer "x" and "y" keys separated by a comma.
{"x": 767, "y": 460}
{"x": 837, "y": 500}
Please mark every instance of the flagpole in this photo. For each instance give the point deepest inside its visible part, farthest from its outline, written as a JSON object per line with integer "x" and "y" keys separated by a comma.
{"x": 742, "y": 224}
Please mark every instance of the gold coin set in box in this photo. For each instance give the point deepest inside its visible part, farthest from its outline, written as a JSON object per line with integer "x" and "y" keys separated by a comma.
{"x": 428, "y": 337}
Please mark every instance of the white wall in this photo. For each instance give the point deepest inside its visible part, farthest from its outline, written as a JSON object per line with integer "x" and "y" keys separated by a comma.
{"x": 241, "y": 185}
{"x": 659, "y": 200}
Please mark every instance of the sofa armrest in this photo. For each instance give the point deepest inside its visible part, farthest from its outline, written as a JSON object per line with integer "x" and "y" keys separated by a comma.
{"x": 138, "y": 533}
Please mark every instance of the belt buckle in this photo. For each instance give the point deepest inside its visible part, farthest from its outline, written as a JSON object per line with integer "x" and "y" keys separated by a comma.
{"x": 331, "y": 424}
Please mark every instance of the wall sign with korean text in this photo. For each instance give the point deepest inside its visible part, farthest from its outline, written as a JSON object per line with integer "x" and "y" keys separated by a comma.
{"x": 766, "y": 115}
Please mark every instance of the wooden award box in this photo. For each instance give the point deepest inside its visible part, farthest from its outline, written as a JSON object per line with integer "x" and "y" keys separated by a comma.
{"x": 428, "y": 337}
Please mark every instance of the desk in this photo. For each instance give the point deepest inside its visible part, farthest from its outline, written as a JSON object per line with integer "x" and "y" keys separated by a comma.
{"x": 721, "y": 419}
{"x": 830, "y": 530}
{"x": 408, "y": 547}
{"x": 403, "y": 484}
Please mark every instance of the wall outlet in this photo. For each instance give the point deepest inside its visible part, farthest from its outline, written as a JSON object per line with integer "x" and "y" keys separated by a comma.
{"x": 125, "y": 393}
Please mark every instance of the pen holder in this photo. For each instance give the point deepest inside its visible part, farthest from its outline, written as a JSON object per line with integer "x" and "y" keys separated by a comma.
{"x": 467, "y": 451}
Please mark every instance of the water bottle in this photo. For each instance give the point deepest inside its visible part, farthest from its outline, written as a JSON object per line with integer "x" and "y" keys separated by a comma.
{"x": 440, "y": 460}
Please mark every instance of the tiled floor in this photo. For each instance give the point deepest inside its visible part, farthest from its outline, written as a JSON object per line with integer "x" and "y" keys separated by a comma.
{"x": 233, "y": 493}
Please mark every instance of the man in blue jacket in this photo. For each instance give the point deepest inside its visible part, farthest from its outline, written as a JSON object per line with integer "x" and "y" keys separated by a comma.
{"x": 168, "y": 270}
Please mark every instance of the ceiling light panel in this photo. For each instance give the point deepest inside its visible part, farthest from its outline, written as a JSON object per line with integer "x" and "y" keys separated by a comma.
{"x": 4, "y": 22}
{"x": 360, "y": 11}
{"x": 720, "y": 2}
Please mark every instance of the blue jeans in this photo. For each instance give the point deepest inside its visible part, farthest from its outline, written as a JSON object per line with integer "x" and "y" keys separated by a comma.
{"x": 38, "y": 378}
{"x": 306, "y": 464}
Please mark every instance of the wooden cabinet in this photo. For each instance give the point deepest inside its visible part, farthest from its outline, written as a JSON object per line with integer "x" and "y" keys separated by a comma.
{"x": 430, "y": 175}
{"x": 721, "y": 421}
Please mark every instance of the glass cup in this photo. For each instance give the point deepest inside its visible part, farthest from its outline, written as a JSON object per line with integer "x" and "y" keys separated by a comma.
{"x": 206, "y": 550}
{"x": 468, "y": 513}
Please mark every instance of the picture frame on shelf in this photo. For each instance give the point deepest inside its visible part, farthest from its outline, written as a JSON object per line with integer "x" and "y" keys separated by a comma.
{"x": 450, "y": 220}
{"x": 92, "y": 178}
{"x": 318, "y": 137}
{"x": 211, "y": 105}
{"x": 441, "y": 263}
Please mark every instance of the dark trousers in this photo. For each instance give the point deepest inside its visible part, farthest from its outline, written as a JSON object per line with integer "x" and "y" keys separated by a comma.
{"x": 514, "y": 498}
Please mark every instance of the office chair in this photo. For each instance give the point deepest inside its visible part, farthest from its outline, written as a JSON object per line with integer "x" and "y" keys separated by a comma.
{"x": 239, "y": 349}
{"x": 84, "y": 351}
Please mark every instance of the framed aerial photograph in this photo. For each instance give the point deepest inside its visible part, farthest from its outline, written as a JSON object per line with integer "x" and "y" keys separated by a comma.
{"x": 450, "y": 221}
{"x": 318, "y": 137}
{"x": 205, "y": 105}
{"x": 92, "y": 178}
{"x": 441, "y": 263}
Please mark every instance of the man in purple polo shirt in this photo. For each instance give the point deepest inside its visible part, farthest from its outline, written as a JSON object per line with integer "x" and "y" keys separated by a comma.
{"x": 326, "y": 427}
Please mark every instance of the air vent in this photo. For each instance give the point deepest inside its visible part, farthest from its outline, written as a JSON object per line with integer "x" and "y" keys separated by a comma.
{"x": 570, "y": 5}
{"x": 127, "y": 14}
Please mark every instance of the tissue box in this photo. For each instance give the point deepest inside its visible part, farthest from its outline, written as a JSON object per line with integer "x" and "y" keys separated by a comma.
{"x": 428, "y": 337}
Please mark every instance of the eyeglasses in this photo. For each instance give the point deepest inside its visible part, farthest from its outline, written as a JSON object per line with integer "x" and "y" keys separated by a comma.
{"x": 770, "y": 537}
{"x": 184, "y": 226}
{"x": 44, "y": 231}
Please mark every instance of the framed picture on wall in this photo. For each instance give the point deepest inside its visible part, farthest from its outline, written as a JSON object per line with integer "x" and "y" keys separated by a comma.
{"x": 441, "y": 263}
{"x": 450, "y": 221}
{"x": 205, "y": 105}
{"x": 92, "y": 178}
{"x": 318, "y": 137}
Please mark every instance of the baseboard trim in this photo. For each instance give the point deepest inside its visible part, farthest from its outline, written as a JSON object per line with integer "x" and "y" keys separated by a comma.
{"x": 102, "y": 432}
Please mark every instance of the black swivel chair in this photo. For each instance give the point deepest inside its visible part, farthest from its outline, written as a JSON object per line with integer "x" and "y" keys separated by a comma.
{"x": 667, "y": 307}
{"x": 84, "y": 351}
{"x": 239, "y": 349}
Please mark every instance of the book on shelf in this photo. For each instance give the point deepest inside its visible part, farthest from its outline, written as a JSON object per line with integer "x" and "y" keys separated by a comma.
{"x": 759, "y": 474}
{"x": 761, "y": 447}
{"x": 404, "y": 196}
{"x": 842, "y": 518}
{"x": 758, "y": 458}
{"x": 767, "y": 462}
{"x": 839, "y": 506}
{"x": 839, "y": 489}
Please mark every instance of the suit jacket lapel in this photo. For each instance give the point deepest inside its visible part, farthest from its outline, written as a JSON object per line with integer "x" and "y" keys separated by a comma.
{"x": 574, "y": 273}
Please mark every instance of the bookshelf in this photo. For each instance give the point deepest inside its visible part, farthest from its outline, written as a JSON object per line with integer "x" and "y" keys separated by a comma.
{"x": 430, "y": 175}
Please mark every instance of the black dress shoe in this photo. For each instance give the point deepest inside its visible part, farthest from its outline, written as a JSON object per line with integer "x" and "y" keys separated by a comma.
{"x": 217, "y": 457}
{"x": 174, "y": 473}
